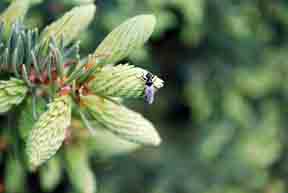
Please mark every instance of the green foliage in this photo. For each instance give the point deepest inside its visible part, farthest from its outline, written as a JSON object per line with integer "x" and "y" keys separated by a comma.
{"x": 223, "y": 113}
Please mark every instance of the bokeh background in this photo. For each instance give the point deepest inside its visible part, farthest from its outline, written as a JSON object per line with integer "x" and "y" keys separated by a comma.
{"x": 223, "y": 113}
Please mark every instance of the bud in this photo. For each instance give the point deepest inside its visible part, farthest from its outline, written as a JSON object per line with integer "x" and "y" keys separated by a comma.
{"x": 79, "y": 172}
{"x": 70, "y": 25}
{"x": 125, "y": 81}
{"x": 12, "y": 92}
{"x": 100, "y": 143}
{"x": 121, "y": 121}
{"x": 48, "y": 133}
{"x": 127, "y": 37}
{"x": 50, "y": 174}
{"x": 15, "y": 176}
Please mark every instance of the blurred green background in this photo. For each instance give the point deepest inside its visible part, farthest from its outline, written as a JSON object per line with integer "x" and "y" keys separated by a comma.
{"x": 223, "y": 111}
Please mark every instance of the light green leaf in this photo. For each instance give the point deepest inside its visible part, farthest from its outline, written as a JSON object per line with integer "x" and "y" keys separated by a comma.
{"x": 14, "y": 175}
{"x": 121, "y": 121}
{"x": 70, "y": 25}
{"x": 49, "y": 132}
{"x": 100, "y": 143}
{"x": 127, "y": 37}
{"x": 125, "y": 81}
{"x": 12, "y": 93}
{"x": 237, "y": 108}
{"x": 77, "y": 2}
{"x": 51, "y": 174}
{"x": 79, "y": 171}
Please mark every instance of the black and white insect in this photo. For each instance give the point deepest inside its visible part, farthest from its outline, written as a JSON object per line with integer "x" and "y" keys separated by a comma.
{"x": 149, "y": 87}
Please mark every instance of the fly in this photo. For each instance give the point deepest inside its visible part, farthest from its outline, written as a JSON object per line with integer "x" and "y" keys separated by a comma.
{"x": 149, "y": 88}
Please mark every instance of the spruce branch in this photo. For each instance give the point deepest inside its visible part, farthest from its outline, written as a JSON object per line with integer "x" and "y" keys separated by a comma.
{"x": 48, "y": 70}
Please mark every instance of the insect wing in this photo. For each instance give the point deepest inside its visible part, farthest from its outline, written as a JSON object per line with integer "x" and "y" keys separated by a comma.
{"x": 149, "y": 94}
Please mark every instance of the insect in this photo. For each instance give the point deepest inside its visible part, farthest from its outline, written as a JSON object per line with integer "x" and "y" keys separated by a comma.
{"x": 149, "y": 88}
